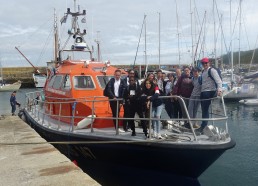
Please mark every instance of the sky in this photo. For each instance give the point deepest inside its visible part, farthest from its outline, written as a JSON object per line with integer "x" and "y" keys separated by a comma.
{"x": 189, "y": 29}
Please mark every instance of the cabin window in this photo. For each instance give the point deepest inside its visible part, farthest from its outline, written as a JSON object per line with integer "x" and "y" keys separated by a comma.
{"x": 83, "y": 82}
{"x": 67, "y": 83}
{"x": 58, "y": 82}
{"x": 103, "y": 80}
{"x": 51, "y": 81}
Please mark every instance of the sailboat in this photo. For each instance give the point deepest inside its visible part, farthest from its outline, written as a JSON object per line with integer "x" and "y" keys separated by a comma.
{"x": 239, "y": 90}
{"x": 4, "y": 87}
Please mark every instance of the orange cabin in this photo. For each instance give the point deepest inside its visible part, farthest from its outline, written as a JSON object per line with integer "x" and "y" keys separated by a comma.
{"x": 71, "y": 89}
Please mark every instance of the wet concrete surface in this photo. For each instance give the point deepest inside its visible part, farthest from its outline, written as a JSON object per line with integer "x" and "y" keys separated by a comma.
{"x": 26, "y": 158}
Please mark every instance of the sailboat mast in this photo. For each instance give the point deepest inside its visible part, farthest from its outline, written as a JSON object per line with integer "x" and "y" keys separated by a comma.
{"x": 214, "y": 27}
{"x": 191, "y": 12}
{"x": 178, "y": 40}
{"x": 145, "y": 45}
{"x": 140, "y": 70}
{"x": 231, "y": 44}
{"x": 159, "y": 39}
{"x": 240, "y": 17}
{"x": 222, "y": 65}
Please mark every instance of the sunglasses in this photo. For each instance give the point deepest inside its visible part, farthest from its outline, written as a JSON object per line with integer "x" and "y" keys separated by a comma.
{"x": 131, "y": 80}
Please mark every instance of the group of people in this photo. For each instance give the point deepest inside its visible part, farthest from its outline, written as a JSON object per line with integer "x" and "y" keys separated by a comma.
{"x": 135, "y": 97}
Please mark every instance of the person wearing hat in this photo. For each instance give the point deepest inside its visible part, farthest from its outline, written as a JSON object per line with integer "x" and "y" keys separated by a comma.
{"x": 13, "y": 102}
{"x": 210, "y": 88}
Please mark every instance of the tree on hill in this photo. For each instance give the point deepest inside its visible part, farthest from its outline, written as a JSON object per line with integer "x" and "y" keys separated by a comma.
{"x": 245, "y": 57}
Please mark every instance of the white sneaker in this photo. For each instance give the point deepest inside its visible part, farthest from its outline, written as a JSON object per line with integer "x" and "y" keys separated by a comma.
{"x": 154, "y": 135}
{"x": 176, "y": 123}
{"x": 159, "y": 136}
{"x": 121, "y": 131}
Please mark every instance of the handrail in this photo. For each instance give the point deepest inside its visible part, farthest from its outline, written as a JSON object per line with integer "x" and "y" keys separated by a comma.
{"x": 161, "y": 97}
{"x": 31, "y": 97}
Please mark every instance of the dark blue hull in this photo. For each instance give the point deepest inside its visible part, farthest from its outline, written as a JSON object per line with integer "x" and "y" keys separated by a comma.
{"x": 183, "y": 161}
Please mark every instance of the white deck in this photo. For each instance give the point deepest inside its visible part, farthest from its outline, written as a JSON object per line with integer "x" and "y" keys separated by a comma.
{"x": 170, "y": 135}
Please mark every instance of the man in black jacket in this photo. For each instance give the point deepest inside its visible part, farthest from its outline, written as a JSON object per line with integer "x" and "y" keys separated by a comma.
{"x": 115, "y": 90}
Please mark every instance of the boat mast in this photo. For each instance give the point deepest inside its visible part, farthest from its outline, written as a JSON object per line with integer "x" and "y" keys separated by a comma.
{"x": 145, "y": 45}
{"x": 251, "y": 62}
{"x": 222, "y": 65}
{"x": 231, "y": 44}
{"x": 199, "y": 37}
{"x": 56, "y": 44}
{"x": 75, "y": 31}
{"x": 140, "y": 70}
{"x": 159, "y": 39}
{"x": 191, "y": 12}
{"x": 214, "y": 27}
{"x": 178, "y": 44}
{"x": 240, "y": 17}
{"x": 98, "y": 43}
{"x": 36, "y": 70}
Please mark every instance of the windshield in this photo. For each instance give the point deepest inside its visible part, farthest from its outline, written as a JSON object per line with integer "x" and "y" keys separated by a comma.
{"x": 103, "y": 80}
{"x": 83, "y": 82}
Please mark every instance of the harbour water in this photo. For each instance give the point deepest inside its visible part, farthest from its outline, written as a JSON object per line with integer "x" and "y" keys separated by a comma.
{"x": 237, "y": 166}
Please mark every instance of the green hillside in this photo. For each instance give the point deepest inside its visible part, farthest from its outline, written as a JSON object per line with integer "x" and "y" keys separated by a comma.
{"x": 245, "y": 57}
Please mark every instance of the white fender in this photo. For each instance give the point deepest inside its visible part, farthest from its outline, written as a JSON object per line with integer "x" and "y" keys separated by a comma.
{"x": 85, "y": 122}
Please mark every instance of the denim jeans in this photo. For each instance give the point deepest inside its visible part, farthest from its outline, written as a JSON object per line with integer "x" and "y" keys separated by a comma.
{"x": 193, "y": 106}
{"x": 205, "y": 104}
{"x": 13, "y": 108}
{"x": 156, "y": 112}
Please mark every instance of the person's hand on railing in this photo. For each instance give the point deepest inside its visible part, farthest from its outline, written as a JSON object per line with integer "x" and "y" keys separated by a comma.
{"x": 219, "y": 93}
{"x": 148, "y": 104}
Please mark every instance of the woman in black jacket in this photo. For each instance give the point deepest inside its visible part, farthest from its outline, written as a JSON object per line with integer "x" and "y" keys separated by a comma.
{"x": 150, "y": 93}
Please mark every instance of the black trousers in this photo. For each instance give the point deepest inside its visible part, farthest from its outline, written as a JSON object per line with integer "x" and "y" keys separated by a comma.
{"x": 136, "y": 108}
{"x": 126, "y": 123}
{"x": 177, "y": 109}
{"x": 113, "y": 106}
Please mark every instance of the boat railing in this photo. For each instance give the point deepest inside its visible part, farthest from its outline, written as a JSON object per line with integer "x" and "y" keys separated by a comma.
{"x": 36, "y": 107}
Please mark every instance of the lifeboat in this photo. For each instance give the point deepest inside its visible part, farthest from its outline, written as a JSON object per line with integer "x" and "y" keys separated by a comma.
{"x": 73, "y": 114}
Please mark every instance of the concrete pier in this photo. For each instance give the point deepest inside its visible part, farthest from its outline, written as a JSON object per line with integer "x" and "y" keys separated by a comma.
{"x": 34, "y": 164}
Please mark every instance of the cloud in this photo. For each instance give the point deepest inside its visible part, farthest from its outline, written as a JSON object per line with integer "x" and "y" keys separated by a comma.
{"x": 14, "y": 30}
{"x": 119, "y": 22}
